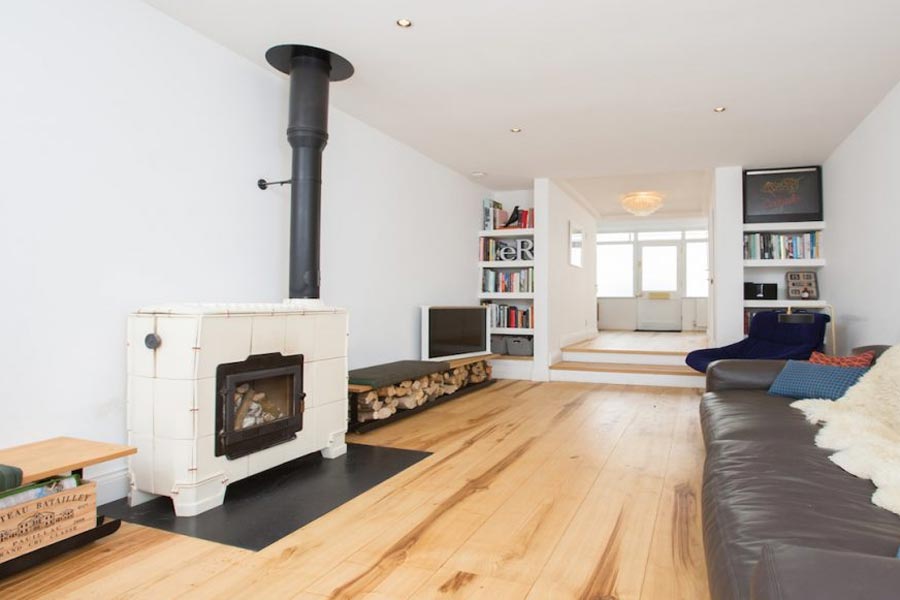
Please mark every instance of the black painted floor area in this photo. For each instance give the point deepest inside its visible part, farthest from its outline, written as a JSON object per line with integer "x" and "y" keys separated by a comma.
{"x": 264, "y": 508}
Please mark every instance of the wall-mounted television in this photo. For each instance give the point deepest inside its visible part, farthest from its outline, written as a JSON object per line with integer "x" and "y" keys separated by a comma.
{"x": 454, "y": 332}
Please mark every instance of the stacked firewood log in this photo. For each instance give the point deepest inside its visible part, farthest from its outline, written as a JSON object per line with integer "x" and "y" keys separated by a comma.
{"x": 383, "y": 402}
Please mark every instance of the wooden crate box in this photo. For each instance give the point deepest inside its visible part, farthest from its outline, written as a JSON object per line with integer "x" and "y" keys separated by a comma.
{"x": 41, "y": 522}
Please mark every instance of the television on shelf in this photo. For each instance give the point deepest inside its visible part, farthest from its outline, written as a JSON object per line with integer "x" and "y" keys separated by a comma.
{"x": 450, "y": 332}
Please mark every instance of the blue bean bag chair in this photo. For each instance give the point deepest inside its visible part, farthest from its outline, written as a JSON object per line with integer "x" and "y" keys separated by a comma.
{"x": 768, "y": 339}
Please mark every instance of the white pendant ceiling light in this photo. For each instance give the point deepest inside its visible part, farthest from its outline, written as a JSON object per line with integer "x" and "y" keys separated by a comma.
{"x": 642, "y": 204}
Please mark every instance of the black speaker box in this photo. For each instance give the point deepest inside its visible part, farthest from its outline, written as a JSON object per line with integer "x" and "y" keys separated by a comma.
{"x": 760, "y": 291}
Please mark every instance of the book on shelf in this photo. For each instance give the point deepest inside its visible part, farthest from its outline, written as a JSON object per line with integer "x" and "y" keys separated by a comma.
{"x": 780, "y": 246}
{"x": 508, "y": 281}
{"x": 493, "y": 217}
{"x": 510, "y": 317}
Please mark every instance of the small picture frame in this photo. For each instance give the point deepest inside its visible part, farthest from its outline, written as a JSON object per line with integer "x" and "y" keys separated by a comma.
{"x": 783, "y": 195}
{"x": 576, "y": 244}
{"x": 802, "y": 285}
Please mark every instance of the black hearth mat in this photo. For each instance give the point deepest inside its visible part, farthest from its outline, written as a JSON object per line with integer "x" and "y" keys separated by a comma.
{"x": 264, "y": 508}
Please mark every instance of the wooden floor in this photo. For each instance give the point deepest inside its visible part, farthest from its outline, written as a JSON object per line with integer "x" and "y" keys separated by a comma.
{"x": 551, "y": 490}
{"x": 645, "y": 341}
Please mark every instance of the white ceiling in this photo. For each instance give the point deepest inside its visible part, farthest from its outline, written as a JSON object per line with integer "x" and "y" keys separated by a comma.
{"x": 685, "y": 193}
{"x": 599, "y": 86}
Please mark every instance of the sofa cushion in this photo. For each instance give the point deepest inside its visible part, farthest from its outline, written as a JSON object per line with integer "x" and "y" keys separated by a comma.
{"x": 787, "y": 572}
{"x": 864, "y": 359}
{"x": 752, "y": 415}
{"x": 759, "y": 492}
{"x": 800, "y": 379}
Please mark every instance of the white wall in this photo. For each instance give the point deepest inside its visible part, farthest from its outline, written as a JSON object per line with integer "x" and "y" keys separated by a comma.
{"x": 727, "y": 237}
{"x": 621, "y": 314}
{"x": 129, "y": 155}
{"x": 398, "y": 231}
{"x": 861, "y": 185}
{"x": 571, "y": 310}
{"x": 617, "y": 313}
{"x": 510, "y": 198}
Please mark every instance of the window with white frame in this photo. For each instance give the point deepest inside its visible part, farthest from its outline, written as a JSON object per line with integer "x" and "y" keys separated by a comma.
{"x": 629, "y": 263}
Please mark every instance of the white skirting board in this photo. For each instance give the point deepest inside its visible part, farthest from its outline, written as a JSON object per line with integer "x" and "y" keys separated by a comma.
{"x": 111, "y": 485}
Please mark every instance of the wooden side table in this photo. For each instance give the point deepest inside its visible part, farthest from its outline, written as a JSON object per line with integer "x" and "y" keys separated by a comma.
{"x": 59, "y": 456}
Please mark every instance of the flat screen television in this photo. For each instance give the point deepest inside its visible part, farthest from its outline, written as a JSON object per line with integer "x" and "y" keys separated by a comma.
{"x": 454, "y": 332}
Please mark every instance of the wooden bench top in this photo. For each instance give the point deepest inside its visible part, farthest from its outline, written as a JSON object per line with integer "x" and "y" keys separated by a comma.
{"x": 56, "y": 456}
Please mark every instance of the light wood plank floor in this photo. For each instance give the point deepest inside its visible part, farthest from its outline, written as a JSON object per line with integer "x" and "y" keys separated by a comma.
{"x": 552, "y": 490}
{"x": 646, "y": 341}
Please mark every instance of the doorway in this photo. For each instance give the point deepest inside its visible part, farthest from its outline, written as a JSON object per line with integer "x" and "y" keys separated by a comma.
{"x": 653, "y": 280}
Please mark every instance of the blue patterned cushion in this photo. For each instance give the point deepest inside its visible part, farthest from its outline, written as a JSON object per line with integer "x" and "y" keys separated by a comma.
{"x": 801, "y": 379}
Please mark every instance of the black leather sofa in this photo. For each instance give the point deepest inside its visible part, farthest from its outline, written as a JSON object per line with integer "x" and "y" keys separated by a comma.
{"x": 780, "y": 520}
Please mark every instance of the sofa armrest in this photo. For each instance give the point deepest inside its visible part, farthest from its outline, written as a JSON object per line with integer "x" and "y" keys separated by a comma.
{"x": 878, "y": 349}
{"x": 786, "y": 572}
{"x": 742, "y": 374}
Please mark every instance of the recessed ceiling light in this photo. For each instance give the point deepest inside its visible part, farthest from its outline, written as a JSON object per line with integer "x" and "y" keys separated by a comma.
{"x": 478, "y": 173}
{"x": 516, "y": 129}
{"x": 404, "y": 23}
{"x": 720, "y": 109}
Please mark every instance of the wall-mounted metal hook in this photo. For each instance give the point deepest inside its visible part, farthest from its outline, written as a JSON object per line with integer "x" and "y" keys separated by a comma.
{"x": 263, "y": 184}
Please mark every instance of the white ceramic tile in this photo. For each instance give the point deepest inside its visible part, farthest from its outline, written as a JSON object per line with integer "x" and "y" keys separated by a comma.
{"x": 223, "y": 339}
{"x": 140, "y": 405}
{"x": 205, "y": 402}
{"x": 300, "y": 336}
{"x": 304, "y": 444}
{"x": 268, "y": 334}
{"x": 329, "y": 382}
{"x": 140, "y": 359}
{"x": 330, "y": 419}
{"x": 173, "y": 400}
{"x": 176, "y": 354}
{"x": 209, "y": 465}
{"x": 140, "y": 465}
{"x": 173, "y": 462}
{"x": 331, "y": 335}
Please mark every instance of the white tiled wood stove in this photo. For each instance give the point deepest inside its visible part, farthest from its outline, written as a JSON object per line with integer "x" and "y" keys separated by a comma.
{"x": 219, "y": 392}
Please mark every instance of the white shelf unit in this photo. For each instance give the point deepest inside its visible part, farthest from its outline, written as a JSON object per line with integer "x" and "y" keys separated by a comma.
{"x": 516, "y": 367}
{"x": 799, "y": 226}
{"x": 789, "y": 263}
{"x": 506, "y": 295}
{"x": 774, "y": 270}
{"x": 814, "y": 304}
{"x": 506, "y": 264}
{"x": 513, "y": 330}
{"x": 512, "y": 232}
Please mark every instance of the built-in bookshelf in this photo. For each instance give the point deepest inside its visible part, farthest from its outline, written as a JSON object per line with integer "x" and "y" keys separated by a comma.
{"x": 771, "y": 250}
{"x": 507, "y": 271}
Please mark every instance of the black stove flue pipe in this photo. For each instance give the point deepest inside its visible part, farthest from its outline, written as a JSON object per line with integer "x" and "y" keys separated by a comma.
{"x": 311, "y": 71}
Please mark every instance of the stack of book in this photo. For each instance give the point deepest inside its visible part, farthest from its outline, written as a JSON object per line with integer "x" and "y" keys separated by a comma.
{"x": 494, "y": 217}
{"x": 508, "y": 281}
{"x": 512, "y": 317}
{"x": 777, "y": 246}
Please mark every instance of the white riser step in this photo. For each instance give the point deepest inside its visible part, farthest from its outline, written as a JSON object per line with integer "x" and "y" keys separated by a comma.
{"x": 651, "y": 379}
{"x": 627, "y": 358}
{"x": 512, "y": 369}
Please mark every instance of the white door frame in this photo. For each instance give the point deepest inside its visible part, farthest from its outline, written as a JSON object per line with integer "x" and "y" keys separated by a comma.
{"x": 659, "y": 314}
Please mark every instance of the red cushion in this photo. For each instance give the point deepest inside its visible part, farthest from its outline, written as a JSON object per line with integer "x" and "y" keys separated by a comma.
{"x": 857, "y": 360}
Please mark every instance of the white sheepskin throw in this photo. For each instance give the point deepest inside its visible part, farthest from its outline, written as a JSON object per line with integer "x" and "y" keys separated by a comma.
{"x": 864, "y": 427}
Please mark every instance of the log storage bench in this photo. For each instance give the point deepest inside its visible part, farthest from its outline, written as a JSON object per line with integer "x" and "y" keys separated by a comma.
{"x": 385, "y": 393}
{"x": 50, "y": 511}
